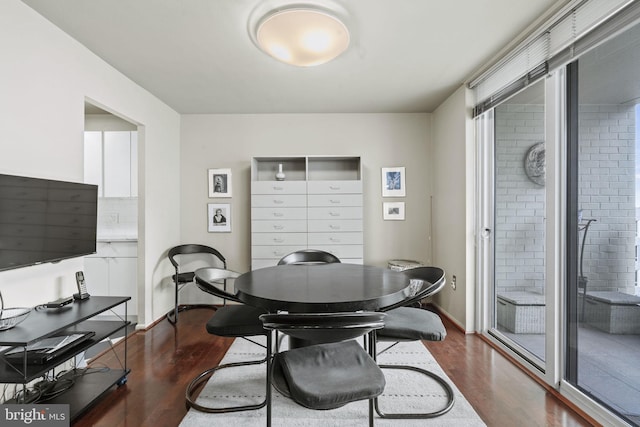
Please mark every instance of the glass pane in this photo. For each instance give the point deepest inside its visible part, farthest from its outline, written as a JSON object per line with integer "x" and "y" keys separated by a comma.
{"x": 519, "y": 222}
{"x": 605, "y": 331}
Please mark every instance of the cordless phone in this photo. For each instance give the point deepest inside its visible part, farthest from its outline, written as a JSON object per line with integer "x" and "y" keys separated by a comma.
{"x": 82, "y": 287}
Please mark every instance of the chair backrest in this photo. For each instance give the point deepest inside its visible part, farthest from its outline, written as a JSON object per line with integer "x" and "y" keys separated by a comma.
{"x": 308, "y": 256}
{"x": 191, "y": 249}
{"x": 207, "y": 278}
{"x": 425, "y": 282}
{"x": 324, "y": 327}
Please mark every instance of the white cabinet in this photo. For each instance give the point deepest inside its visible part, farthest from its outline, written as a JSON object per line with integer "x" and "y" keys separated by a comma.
{"x": 112, "y": 271}
{"x": 111, "y": 162}
{"x": 117, "y": 164}
{"x": 317, "y": 206}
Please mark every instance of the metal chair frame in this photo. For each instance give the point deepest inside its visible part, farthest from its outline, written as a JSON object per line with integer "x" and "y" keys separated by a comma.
{"x": 180, "y": 280}
{"x": 205, "y": 278}
{"x": 426, "y": 281}
{"x": 309, "y": 256}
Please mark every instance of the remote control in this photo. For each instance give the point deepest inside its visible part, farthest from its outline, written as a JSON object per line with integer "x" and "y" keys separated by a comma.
{"x": 61, "y": 302}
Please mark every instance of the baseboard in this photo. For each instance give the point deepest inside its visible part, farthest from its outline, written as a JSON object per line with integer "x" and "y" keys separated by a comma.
{"x": 454, "y": 321}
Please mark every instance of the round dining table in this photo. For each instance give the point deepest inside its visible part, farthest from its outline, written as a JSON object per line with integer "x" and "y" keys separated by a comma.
{"x": 322, "y": 288}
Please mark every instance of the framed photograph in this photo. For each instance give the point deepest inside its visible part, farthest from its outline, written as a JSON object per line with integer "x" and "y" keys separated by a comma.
{"x": 219, "y": 182}
{"x": 393, "y": 211}
{"x": 393, "y": 182}
{"x": 219, "y": 217}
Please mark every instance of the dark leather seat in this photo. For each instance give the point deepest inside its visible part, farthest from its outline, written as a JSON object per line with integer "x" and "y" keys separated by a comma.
{"x": 411, "y": 324}
{"x": 331, "y": 373}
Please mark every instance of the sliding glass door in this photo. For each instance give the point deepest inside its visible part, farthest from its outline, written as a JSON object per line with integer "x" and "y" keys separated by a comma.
{"x": 603, "y": 209}
{"x": 558, "y": 224}
{"x": 519, "y": 222}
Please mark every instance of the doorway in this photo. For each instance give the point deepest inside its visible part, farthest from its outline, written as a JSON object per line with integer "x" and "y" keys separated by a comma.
{"x": 111, "y": 162}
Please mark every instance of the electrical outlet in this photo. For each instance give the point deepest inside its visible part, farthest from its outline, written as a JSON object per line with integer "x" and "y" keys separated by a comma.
{"x": 453, "y": 282}
{"x": 112, "y": 218}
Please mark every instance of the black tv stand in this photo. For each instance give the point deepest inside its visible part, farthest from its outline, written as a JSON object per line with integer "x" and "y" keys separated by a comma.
{"x": 86, "y": 389}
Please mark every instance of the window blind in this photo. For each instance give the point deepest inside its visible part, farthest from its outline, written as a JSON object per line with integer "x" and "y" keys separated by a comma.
{"x": 577, "y": 27}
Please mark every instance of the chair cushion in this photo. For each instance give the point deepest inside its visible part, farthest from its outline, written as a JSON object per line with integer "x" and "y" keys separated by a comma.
{"x": 411, "y": 324}
{"x": 236, "y": 321}
{"x": 327, "y": 376}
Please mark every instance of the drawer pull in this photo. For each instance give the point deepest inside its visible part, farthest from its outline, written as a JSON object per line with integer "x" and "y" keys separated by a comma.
{"x": 333, "y": 239}
{"x": 334, "y": 213}
{"x": 278, "y": 254}
{"x": 334, "y": 227}
{"x": 278, "y": 202}
{"x": 332, "y": 187}
{"x": 278, "y": 227}
{"x": 335, "y": 202}
{"x": 276, "y": 240}
{"x": 278, "y": 188}
{"x": 278, "y": 214}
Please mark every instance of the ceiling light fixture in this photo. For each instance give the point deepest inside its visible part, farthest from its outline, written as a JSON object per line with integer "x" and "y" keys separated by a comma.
{"x": 302, "y": 36}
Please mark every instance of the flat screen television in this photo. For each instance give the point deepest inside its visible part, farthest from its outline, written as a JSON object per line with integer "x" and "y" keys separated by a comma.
{"x": 42, "y": 220}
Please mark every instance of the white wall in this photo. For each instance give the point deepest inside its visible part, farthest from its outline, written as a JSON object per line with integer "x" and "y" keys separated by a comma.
{"x": 44, "y": 80}
{"x": 382, "y": 140}
{"x": 453, "y": 205}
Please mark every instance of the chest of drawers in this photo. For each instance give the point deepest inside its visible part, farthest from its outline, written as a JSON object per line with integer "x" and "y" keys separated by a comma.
{"x": 319, "y": 205}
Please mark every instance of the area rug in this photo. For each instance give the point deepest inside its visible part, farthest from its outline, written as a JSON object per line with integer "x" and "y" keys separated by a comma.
{"x": 405, "y": 391}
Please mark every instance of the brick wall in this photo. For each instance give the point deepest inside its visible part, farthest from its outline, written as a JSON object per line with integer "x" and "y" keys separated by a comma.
{"x": 520, "y": 203}
{"x": 606, "y": 193}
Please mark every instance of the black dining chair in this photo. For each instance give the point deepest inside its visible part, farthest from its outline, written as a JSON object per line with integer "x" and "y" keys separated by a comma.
{"x": 308, "y": 256}
{"x": 404, "y": 323}
{"x": 333, "y": 371}
{"x": 231, "y": 320}
{"x": 184, "y": 254}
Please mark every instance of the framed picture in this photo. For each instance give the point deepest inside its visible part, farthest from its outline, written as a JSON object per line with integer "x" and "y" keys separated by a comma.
{"x": 219, "y": 182}
{"x": 393, "y": 182}
{"x": 219, "y": 217}
{"x": 393, "y": 211}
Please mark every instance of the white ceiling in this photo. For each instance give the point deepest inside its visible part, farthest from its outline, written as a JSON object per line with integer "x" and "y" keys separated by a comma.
{"x": 197, "y": 55}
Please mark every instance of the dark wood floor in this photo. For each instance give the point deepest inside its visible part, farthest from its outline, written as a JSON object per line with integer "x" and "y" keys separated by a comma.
{"x": 164, "y": 359}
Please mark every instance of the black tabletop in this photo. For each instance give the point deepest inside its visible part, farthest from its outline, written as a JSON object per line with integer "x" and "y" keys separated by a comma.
{"x": 322, "y": 287}
{"x": 46, "y": 322}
